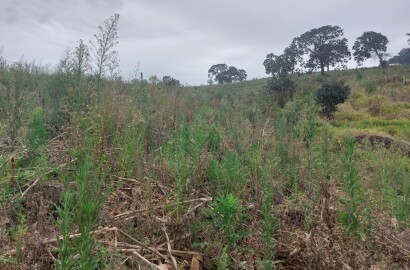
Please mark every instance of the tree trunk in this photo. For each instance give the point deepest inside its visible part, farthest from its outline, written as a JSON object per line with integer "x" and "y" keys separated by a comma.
{"x": 322, "y": 69}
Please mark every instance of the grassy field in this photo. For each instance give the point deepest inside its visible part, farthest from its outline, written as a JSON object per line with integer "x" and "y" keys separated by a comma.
{"x": 131, "y": 175}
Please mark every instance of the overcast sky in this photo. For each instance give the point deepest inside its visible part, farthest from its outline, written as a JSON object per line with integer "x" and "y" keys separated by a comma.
{"x": 183, "y": 38}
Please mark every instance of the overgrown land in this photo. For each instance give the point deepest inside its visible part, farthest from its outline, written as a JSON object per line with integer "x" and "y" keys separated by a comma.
{"x": 97, "y": 172}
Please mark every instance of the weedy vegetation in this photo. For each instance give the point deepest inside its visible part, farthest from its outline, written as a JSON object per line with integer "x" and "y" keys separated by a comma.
{"x": 292, "y": 172}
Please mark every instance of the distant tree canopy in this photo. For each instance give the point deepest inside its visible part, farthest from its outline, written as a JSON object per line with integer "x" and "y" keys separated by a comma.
{"x": 283, "y": 65}
{"x": 370, "y": 44}
{"x": 408, "y": 34}
{"x": 325, "y": 46}
{"x": 169, "y": 81}
{"x": 403, "y": 57}
{"x": 221, "y": 73}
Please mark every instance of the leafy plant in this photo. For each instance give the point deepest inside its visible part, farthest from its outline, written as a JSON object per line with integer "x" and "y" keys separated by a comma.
{"x": 18, "y": 234}
{"x": 223, "y": 262}
{"x": 269, "y": 226}
{"x": 229, "y": 175}
{"x": 65, "y": 213}
{"x": 228, "y": 216}
{"x": 354, "y": 209}
{"x": 37, "y": 134}
{"x": 370, "y": 86}
{"x": 330, "y": 95}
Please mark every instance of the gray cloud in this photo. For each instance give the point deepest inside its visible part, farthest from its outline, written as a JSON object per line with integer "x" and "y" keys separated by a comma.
{"x": 184, "y": 38}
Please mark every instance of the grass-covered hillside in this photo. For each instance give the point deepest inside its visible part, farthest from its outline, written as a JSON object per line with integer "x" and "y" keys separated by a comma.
{"x": 102, "y": 174}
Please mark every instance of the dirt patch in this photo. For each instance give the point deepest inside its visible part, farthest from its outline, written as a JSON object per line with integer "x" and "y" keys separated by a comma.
{"x": 387, "y": 142}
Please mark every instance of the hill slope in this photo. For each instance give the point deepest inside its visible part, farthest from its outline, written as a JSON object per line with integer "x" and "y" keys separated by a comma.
{"x": 211, "y": 177}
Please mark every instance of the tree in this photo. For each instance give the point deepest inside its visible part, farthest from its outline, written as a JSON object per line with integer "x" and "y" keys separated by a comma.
{"x": 221, "y": 73}
{"x": 408, "y": 34}
{"x": 370, "y": 44}
{"x": 324, "y": 46}
{"x": 403, "y": 57}
{"x": 104, "y": 55}
{"x": 281, "y": 67}
{"x": 169, "y": 81}
{"x": 330, "y": 95}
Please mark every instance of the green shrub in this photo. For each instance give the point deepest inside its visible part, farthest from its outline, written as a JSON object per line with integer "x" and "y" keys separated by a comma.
{"x": 370, "y": 86}
{"x": 229, "y": 175}
{"x": 228, "y": 216}
{"x": 282, "y": 88}
{"x": 354, "y": 209}
{"x": 214, "y": 140}
{"x": 330, "y": 95}
{"x": 37, "y": 134}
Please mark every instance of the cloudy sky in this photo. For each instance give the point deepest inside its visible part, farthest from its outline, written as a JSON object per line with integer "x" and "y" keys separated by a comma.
{"x": 183, "y": 38}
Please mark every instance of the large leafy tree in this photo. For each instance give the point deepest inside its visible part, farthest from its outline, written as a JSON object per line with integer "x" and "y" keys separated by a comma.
{"x": 370, "y": 44}
{"x": 221, "y": 73}
{"x": 324, "y": 46}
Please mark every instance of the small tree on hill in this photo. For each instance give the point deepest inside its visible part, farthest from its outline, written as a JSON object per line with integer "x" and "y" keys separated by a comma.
{"x": 281, "y": 67}
{"x": 169, "y": 81}
{"x": 325, "y": 47}
{"x": 370, "y": 44}
{"x": 221, "y": 73}
{"x": 330, "y": 95}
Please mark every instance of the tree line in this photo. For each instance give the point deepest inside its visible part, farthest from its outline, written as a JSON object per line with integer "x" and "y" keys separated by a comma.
{"x": 317, "y": 49}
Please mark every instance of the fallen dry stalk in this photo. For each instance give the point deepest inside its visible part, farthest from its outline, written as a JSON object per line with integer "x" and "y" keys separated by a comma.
{"x": 174, "y": 262}
{"x": 207, "y": 199}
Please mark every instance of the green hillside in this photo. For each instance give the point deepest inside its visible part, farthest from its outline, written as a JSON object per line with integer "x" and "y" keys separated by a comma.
{"x": 107, "y": 174}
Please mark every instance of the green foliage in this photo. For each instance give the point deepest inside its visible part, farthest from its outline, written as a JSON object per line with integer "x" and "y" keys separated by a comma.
{"x": 223, "y": 262}
{"x": 390, "y": 172}
{"x": 37, "y": 133}
{"x": 221, "y": 73}
{"x": 369, "y": 44}
{"x": 370, "y": 86}
{"x": 214, "y": 139}
{"x": 281, "y": 66}
{"x": 359, "y": 75}
{"x": 18, "y": 234}
{"x": 65, "y": 214}
{"x": 283, "y": 89}
{"x": 330, "y": 95}
{"x": 228, "y": 215}
{"x": 325, "y": 46}
{"x": 269, "y": 226}
{"x": 403, "y": 57}
{"x": 80, "y": 208}
{"x": 354, "y": 209}
{"x": 229, "y": 175}
{"x": 15, "y": 103}
{"x": 169, "y": 81}
{"x": 130, "y": 159}
{"x": 183, "y": 155}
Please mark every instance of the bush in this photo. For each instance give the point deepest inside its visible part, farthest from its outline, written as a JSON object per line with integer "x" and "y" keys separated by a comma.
{"x": 370, "y": 86}
{"x": 330, "y": 95}
{"x": 282, "y": 88}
